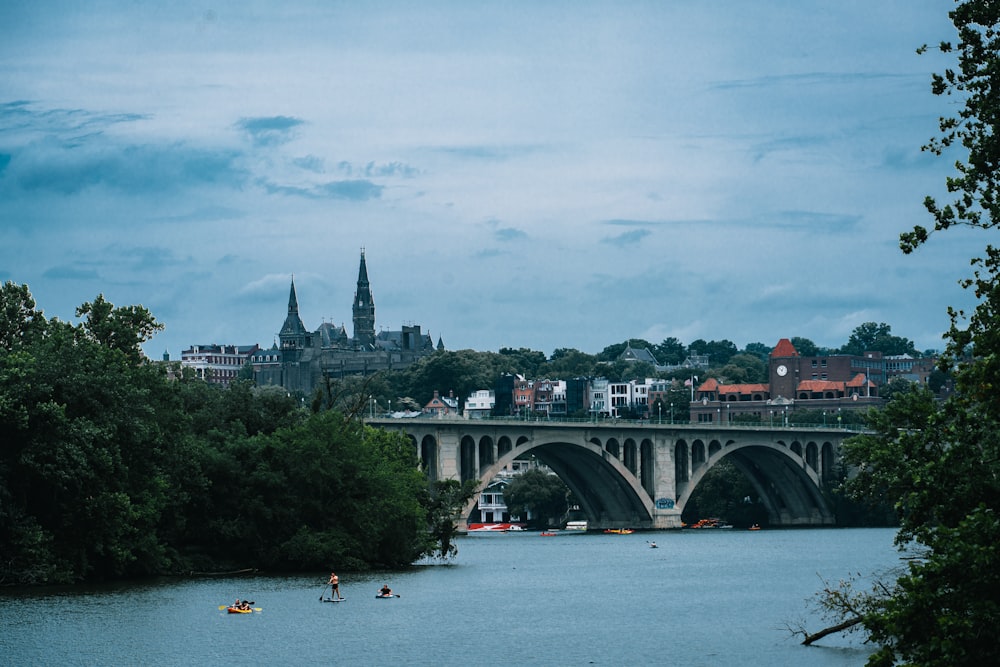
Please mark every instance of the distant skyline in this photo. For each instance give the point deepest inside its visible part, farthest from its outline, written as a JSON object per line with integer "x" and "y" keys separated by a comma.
{"x": 539, "y": 175}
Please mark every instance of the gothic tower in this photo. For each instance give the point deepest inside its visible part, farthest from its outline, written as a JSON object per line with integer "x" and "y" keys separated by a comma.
{"x": 364, "y": 310}
{"x": 293, "y": 332}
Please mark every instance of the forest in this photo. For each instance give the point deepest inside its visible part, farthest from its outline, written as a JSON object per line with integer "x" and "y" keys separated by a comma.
{"x": 108, "y": 469}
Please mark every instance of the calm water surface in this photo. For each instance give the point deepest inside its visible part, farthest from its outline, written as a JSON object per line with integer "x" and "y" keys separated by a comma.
{"x": 714, "y": 598}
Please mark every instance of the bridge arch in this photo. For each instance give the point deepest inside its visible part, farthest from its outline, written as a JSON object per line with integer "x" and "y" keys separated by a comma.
{"x": 609, "y": 494}
{"x": 790, "y": 491}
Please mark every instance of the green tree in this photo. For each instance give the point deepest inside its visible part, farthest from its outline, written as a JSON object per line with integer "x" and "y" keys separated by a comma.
{"x": 670, "y": 352}
{"x": 539, "y": 493}
{"x": 570, "y": 363}
{"x": 19, "y": 320}
{"x": 872, "y": 337}
{"x": 444, "y": 505}
{"x": 760, "y": 350}
{"x": 527, "y": 362}
{"x": 805, "y": 347}
{"x": 744, "y": 368}
{"x": 938, "y": 464}
{"x": 719, "y": 351}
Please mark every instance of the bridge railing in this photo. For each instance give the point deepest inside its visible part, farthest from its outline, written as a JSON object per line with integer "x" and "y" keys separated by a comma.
{"x": 610, "y": 421}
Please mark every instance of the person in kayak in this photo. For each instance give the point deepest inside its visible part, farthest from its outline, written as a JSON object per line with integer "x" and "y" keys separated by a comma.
{"x": 385, "y": 591}
{"x": 335, "y": 586}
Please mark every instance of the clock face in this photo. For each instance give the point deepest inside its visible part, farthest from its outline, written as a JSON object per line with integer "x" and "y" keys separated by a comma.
{"x": 782, "y": 370}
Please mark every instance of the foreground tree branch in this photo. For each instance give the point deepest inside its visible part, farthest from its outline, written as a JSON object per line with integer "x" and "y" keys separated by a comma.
{"x": 839, "y": 627}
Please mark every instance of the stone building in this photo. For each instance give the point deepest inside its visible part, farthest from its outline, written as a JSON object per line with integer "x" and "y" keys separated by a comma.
{"x": 301, "y": 359}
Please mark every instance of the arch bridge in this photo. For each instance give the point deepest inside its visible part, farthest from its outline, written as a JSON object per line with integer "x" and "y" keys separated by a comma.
{"x": 638, "y": 475}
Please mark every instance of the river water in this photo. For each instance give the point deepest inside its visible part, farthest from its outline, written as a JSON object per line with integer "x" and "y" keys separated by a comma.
{"x": 709, "y": 597}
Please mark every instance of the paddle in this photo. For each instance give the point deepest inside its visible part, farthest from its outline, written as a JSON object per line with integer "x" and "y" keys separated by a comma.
{"x": 324, "y": 593}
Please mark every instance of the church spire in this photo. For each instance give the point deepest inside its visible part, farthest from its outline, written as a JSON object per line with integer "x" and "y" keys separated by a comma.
{"x": 293, "y": 301}
{"x": 293, "y": 332}
{"x": 364, "y": 309}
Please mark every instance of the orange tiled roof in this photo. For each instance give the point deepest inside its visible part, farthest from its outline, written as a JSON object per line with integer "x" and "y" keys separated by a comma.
{"x": 820, "y": 385}
{"x": 859, "y": 381}
{"x": 743, "y": 388}
{"x": 711, "y": 384}
{"x": 784, "y": 348}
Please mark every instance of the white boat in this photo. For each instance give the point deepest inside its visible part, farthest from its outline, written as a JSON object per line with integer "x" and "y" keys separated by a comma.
{"x": 494, "y": 527}
{"x": 576, "y": 525}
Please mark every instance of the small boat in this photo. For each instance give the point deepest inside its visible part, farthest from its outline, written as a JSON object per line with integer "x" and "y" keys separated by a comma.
{"x": 495, "y": 527}
{"x": 238, "y": 610}
{"x": 547, "y": 533}
{"x": 618, "y": 531}
{"x": 576, "y": 525}
{"x": 380, "y": 596}
{"x": 754, "y": 527}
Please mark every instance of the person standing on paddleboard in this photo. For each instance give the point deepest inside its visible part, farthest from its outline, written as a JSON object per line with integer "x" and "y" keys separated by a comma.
{"x": 335, "y": 585}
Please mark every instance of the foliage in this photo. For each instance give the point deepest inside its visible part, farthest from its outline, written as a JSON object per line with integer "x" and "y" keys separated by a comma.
{"x": 719, "y": 351}
{"x": 759, "y": 350}
{"x": 539, "y": 493}
{"x": 872, "y": 337}
{"x": 670, "y": 352}
{"x": 445, "y": 504}
{"x": 805, "y": 347}
{"x": 744, "y": 369}
{"x": 111, "y": 469}
{"x": 938, "y": 464}
{"x": 725, "y": 493}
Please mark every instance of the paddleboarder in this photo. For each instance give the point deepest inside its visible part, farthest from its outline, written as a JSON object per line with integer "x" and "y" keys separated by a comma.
{"x": 335, "y": 585}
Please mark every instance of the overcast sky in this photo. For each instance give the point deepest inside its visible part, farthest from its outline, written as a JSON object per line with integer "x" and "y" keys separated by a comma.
{"x": 520, "y": 174}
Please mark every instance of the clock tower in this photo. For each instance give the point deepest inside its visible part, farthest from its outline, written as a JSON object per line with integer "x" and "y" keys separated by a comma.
{"x": 783, "y": 367}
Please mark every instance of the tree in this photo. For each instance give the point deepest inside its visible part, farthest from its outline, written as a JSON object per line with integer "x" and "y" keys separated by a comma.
{"x": 539, "y": 494}
{"x": 760, "y": 350}
{"x": 872, "y": 337}
{"x": 446, "y": 500}
{"x": 719, "y": 351}
{"x": 19, "y": 321}
{"x": 568, "y": 363}
{"x": 743, "y": 368}
{"x": 122, "y": 329}
{"x": 938, "y": 464}
{"x": 805, "y": 347}
{"x": 670, "y": 352}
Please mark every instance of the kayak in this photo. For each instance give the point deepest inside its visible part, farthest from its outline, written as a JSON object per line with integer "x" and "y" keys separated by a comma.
{"x": 386, "y": 597}
{"x": 237, "y": 610}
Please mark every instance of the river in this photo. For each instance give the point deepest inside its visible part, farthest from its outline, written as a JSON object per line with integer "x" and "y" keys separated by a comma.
{"x": 709, "y": 597}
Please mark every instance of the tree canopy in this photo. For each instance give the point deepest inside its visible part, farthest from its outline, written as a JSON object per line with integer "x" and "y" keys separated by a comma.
{"x": 113, "y": 467}
{"x": 938, "y": 463}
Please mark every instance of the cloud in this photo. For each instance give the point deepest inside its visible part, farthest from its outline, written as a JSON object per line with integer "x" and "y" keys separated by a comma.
{"x": 66, "y": 169}
{"x": 353, "y": 190}
{"x": 373, "y": 169}
{"x": 70, "y": 273}
{"x": 801, "y": 79}
{"x": 627, "y": 238}
{"x": 507, "y": 234}
{"x": 269, "y": 130}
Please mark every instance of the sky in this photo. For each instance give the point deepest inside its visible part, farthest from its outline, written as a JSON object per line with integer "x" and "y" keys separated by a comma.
{"x": 565, "y": 174}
